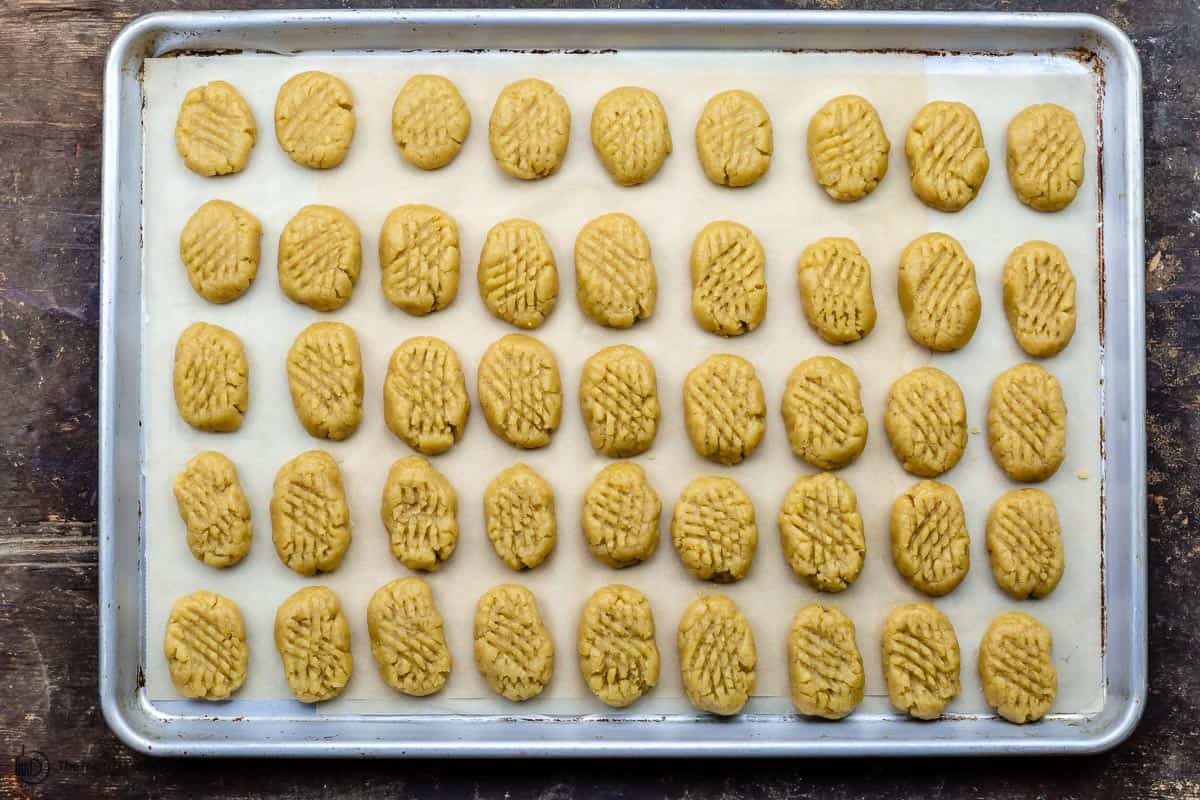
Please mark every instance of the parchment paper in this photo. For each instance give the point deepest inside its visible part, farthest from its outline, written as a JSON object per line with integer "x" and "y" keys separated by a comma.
{"x": 785, "y": 209}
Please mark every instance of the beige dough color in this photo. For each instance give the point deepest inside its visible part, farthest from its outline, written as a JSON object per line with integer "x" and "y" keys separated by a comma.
{"x": 618, "y": 395}
{"x": 947, "y": 160}
{"x": 205, "y": 646}
{"x": 930, "y": 545}
{"x": 513, "y": 649}
{"x": 1045, "y": 156}
{"x": 620, "y": 517}
{"x": 214, "y": 508}
{"x": 835, "y": 290}
{"x": 518, "y": 512}
{"x": 733, "y": 139}
{"x": 313, "y": 640}
{"x": 920, "y": 660}
{"x": 529, "y": 129}
{"x": 1024, "y": 541}
{"x": 729, "y": 280}
{"x": 215, "y": 130}
{"x": 714, "y": 530}
{"x": 520, "y": 391}
{"x": 320, "y": 257}
{"x": 823, "y": 413}
{"x": 419, "y": 259}
{"x": 630, "y": 134}
{"x": 822, "y": 532}
{"x": 847, "y": 148}
{"x": 1027, "y": 423}
{"x": 324, "y": 368}
{"x": 937, "y": 292}
{"x": 407, "y": 639}
{"x": 615, "y": 281}
{"x": 211, "y": 378}
{"x": 420, "y": 512}
{"x": 220, "y": 246}
{"x": 1039, "y": 298}
{"x": 824, "y": 663}
{"x": 1016, "y": 666}
{"x": 425, "y": 399}
{"x": 518, "y": 277}
{"x": 717, "y": 657}
{"x": 430, "y": 121}
{"x": 310, "y": 520}
{"x": 617, "y": 652}
{"x": 926, "y": 422}
{"x": 724, "y": 409}
{"x": 314, "y": 119}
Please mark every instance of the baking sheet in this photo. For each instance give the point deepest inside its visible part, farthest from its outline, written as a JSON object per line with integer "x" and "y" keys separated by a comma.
{"x": 785, "y": 209}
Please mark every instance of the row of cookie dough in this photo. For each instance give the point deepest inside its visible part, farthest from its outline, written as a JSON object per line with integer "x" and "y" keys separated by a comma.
{"x": 531, "y": 124}
{"x": 713, "y": 527}
{"x": 208, "y": 654}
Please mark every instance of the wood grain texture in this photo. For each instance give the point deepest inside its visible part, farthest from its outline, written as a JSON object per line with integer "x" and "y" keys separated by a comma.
{"x": 52, "y": 55}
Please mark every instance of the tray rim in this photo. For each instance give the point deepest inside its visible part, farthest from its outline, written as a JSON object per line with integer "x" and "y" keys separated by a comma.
{"x": 141, "y": 726}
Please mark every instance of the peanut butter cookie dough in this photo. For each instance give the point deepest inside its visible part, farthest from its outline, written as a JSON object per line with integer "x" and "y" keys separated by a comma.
{"x": 835, "y": 290}
{"x": 733, "y": 139}
{"x": 823, "y": 413}
{"x": 419, "y": 259}
{"x": 420, "y": 512}
{"x": 513, "y": 650}
{"x": 920, "y": 660}
{"x": 618, "y": 394}
{"x": 518, "y": 511}
{"x": 620, "y": 515}
{"x": 220, "y": 247}
{"x": 1016, "y": 666}
{"x": 630, "y": 134}
{"x": 1027, "y": 423}
{"x": 615, "y": 281}
{"x": 724, "y": 409}
{"x": 847, "y": 148}
{"x": 205, "y": 646}
{"x": 617, "y": 652}
{"x": 214, "y": 508}
{"x": 947, "y": 161}
{"x": 407, "y": 638}
{"x": 320, "y": 257}
{"x": 1045, "y": 156}
{"x": 930, "y": 545}
{"x": 824, "y": 663}
{"x": 313, "y": 640}
{"x": 822, "y": 532}
{"x": 529, "y": 129}
{"x": 520, "y": 391}
{"x": 215, "y": 130}
{"x": 324, "y": 368}
{"x": 717, "y": 657}
{"x": 314, "y": 119}
{"x": 310, "y": 520}
{"x": 1039, "y": 298}
{"x": 212, "y": 380}
{"x": 937, "y": 292}
{"x": 729, "y": 281}
{"x": 1024, "y": 541}
{"x": 430, "y": 121}
{"x": 714, "y": 530}
{"x": 926, "y": 422}
{"x": 518, "y": 277}
{"x": 425, "y": 399}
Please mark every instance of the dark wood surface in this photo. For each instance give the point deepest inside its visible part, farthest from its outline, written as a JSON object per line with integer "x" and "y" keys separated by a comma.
{"x": 51, "y": 56}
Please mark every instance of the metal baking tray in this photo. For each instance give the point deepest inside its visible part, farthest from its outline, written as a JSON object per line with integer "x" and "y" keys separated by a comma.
{"x": 286, "y": 731}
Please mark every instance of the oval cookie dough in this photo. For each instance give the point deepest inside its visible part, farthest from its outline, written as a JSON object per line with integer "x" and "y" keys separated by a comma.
{"x": 1016, "y": 666}
{"x": 212, "y": 381}
{"x": 618, "y": 394}
{"x": 214, "y": 508}
{"x": 822, "y": 532}
{"x": 518, "y": 512}
{"x": 1027, "y": 423}
{"x": 823, "y": 413}
{"x": 1024, "y": 541}
{"x": 729, "y": 280}
{"x": 1045, "y": 156}
{"x": 320, "y": 257}
{"x": 1039, "y": 298}
{"x": 430, "y": 121}
{"x": 630, "y": 134}
{"x": 220, "y": 247}
{"x": 520, "y": 391}
{"x": 947, "y": 161}
{"x": 620, "y": 515}
{"x": 617, "y": 652}
{"x": 518, "y": 277}
{"x": 847, "y": 148}
{"x": 205, "y": 646}
{"x": 419, "y": 259}
{"x": 835, "y": 290}
{"x": 215, "y": 130}
{"x": 407, "y": 639}
{"x": 714, "y": 530}
{"x": 615, "y": 281}
{"x": 733, "y": 139}
{"x": 420, "y": 512}
{"x": 926, "y": 422}
{"x": 513, "y": 650}
{"x": 325, "y": 377}
{"x": 425, "y": 395}
{"x": 824, "y": 663}
{"x": 930, "y": 545}
{"x": 529, "y": 129}
{"x": 313, "y": 640}
{"x": 920, "y": 660}
{"x": 724, "y": 409}
{"x": 314, "y": 119}
{"x": 937, "y": 292}
{"x": 310, "y": 520}
{"x": 716, "y": 655}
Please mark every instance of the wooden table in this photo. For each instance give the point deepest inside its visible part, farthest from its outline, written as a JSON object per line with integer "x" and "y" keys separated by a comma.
{"x": 51, "y": 54}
